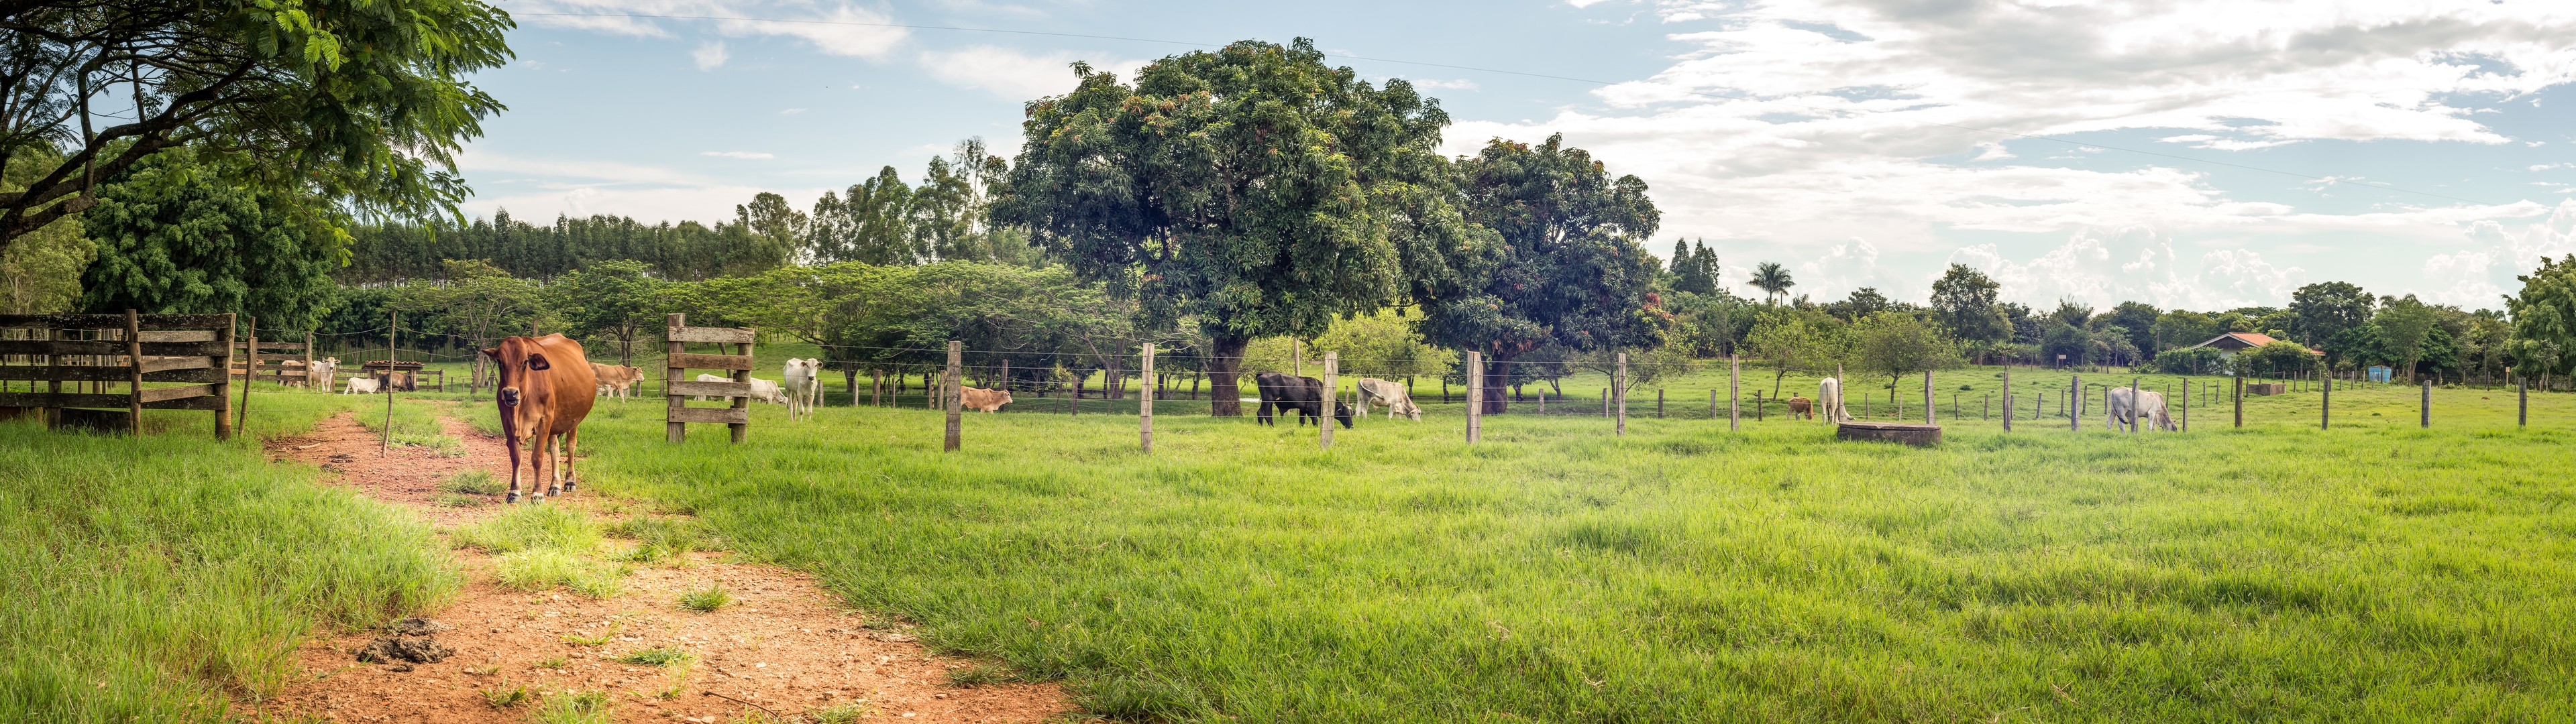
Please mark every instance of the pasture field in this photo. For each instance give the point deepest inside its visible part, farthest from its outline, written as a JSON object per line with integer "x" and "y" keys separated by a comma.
{"x": 2373, "y": 572}
{"x": 151, "y": 579}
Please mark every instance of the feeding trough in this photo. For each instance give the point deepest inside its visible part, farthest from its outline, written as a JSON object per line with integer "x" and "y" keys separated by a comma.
{"x": 1910, "y": 433}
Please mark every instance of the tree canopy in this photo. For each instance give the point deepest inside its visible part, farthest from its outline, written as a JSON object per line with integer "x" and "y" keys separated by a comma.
{"x": 1965, "y": 299}
{"x": 1252, "y": 188}
{"x": 173, "y": 238}
{"x": 338, "y": 104}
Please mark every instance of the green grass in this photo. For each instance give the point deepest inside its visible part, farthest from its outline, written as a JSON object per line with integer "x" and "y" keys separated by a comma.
{"x": 589, "y": 706}
{"x": 712, "y": 597}
{"x": 154, "y": 579}
{"x": 533, "y": 527}
{"x": 2373, "y": 572}
{"x": 478, "y": 481}
{"x": 505, "y": 695}
{"x": 659, "y": 656}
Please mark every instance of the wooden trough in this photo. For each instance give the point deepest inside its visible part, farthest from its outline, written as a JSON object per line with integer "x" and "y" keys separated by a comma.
{"x": 2268, "y": 388}
{"x": 1910, "y": 433}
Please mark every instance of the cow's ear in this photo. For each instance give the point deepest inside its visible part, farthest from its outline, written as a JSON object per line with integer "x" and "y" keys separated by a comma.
{"x": 537, "y": 361}
{"x": 492, "y": 352}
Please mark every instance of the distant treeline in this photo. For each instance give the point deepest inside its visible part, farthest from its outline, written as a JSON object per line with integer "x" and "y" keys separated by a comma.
{"x": 683, "y": 251}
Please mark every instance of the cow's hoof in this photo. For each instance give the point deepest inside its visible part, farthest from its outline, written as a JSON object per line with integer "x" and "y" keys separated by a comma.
{"x": 567, "y": 486}
{"x": 513, "y": 498}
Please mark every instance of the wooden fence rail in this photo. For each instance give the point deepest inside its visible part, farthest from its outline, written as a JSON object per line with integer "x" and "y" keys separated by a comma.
{"x": 104, "y": 370}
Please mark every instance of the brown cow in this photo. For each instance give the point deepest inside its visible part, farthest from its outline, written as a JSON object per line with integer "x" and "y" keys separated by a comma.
{"x": 977, "y": 398}
{"x": 616, "y": 380}
{"x": 1801, "y": 409}
{"x": 546, "y": 388}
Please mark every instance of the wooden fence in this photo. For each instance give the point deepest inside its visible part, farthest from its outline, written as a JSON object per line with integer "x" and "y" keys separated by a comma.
{"x": 736, "y": 416}
{"x": 104, "y": 370}
{"x": 285, "y": 363}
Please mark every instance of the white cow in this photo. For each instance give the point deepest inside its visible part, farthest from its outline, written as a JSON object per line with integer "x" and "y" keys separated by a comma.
{"x": 321, "y": 373}
{"x": 2151, "y": 405}
{"x": 800, "y": 384}
{"x": 814, "y": 391}
{"x": 762, "y": 390}
{"x": 1375, "y": 392}
{"x": 363, "y": 385}
{"x": 1829, "y": 401}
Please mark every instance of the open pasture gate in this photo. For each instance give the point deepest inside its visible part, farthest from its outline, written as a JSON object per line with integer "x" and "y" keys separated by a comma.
{"x": 103, "y": 370}
{"x": 677, "y": 385}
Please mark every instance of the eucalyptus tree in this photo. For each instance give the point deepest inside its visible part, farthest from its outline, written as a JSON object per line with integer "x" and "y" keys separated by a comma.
{"x": 348, "y": 104}
{"x": 1570, "y": 268}
{"x": 1253, "y": 189}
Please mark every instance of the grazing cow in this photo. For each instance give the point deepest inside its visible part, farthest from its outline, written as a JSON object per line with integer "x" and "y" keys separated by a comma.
{"x": 364, "y": 385}
{"x": 2121, "y": 414}
{"x": 541, "y": 381}
{"x": 1375, "y": 393}
{"x": 1801, "y": 409}
{"x": 762, "y": 390}
{"x": 798, "y": 379}
{"x": 1829, "y": 400}
{"x": 977, "y": 398}
{"x": 1306, "y": 394}
{"x": 322, "y": 372}
{"x": 616, "y": 380}
{"x": 814, "y": 391}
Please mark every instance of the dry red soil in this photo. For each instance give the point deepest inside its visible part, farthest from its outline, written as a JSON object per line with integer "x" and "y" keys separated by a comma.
{"x": 785, "y": 645}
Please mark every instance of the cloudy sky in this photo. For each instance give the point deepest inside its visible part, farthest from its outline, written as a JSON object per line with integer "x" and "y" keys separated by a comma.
{"x": 2188, "y": 153}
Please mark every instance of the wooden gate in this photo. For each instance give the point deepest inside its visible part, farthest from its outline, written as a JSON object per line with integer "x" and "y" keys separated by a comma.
{"x": 679, "y": 388}
{"x": 104, "y": 370}
{"x": 285, "y": 363}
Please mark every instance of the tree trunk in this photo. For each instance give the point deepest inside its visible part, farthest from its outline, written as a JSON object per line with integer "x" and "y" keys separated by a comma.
{"x": 1225, "y": 398}
{"x": 1494, "y": 377}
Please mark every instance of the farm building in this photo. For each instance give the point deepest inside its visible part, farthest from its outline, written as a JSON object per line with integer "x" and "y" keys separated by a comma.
{"x": 2230, "y": 343}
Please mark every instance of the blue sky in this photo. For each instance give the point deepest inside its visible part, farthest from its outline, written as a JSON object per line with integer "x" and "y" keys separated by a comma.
{"x": 1862, "y": 143}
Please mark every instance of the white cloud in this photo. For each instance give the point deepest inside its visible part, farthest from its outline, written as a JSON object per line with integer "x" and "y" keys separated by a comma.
{"x": 833, "y": 27}
{"x": 710, "y": 55}
{"x": 791, "y": 111}
{"x": 736, "y": 154}
{"x": 1013, "y": 74}
{"x": 1437, "y": 84}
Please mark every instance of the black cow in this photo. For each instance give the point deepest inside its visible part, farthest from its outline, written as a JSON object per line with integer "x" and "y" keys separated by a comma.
{"x": 1305, "y": 394}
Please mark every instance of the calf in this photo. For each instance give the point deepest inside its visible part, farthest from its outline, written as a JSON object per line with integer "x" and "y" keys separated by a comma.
{"x": 977, "y": 398}
{"x": 1801, "y": 409}
{"x": 616, "y": 380}
{"x": 762, "y": 390}
{"x": 322, "y": 372}
{"x": 1306, "y": 394}
{"x": 363, "y": 385}
{"x": 1395, "y": 398}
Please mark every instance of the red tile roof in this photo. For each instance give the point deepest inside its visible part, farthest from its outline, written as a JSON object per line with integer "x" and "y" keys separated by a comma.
{"x": 2243, "y": 340}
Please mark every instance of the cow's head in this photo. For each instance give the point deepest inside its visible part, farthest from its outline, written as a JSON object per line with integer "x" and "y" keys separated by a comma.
{"x": 1342, "y": 412}
{"x": 520, "y": 375}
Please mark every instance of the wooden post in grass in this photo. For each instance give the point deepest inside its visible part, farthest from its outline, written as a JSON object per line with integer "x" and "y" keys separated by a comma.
{"x": 1332, "y": 398}
{"x": 1712, "y": 404}
{"x": 2008, "y": 408}
{"x": 1931, "y": 405}
{"x": 2240, "y": 399}
{"x": 393, "y": 330}
{"x": 2325, "y": 407}
{"x": 1475, "y": 394}
{"x": 2424, "y": 410}
{"x": 1144, "y": 407}
{"x": 674, "y": 430}
{"x": 1734, "y": 393}
{"x": 2074, "y": 397}
{"x": 223, "y": 394}
{"x": 2135, "y": 405}
{"x": 948, "y": 393}
{"x": 1659, "y": 403}
{"x": 2522, "y": 404}
{"x": 1619, "y": 389}
{"x": 135, "y": 364}
{"x": 242, "y": 416}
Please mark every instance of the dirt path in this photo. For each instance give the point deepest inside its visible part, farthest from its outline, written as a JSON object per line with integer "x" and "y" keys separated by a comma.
{"x": 785, "y": 645}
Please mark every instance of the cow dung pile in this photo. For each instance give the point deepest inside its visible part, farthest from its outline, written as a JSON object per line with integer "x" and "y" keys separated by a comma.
{"x": 402, "y": 651}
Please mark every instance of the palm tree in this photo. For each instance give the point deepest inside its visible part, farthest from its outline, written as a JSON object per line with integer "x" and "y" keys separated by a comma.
{"x": 1773, "y": 279}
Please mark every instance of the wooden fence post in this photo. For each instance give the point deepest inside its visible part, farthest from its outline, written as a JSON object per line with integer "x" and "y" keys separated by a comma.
{"x": 2240, "y": 399}
{"x": 1475, "y": 394}
{"x": 241, "y": 417}
{"x": 948, "y": 394}
{"x": 2522, "y": 406}
{"x": 135, "y": 364}
{"x": 1659, "y": 403}
{"x": 393, "y": 332}
{"x": 1931, "y": 405}
{"x": 1332, "y": 398}
{"x": 1144, "y": 408}
{"x": 2008, "y": 407}
{"x": 223, "y": 388}
{"x": 1619, "y": 389}
{"x": 1734, "y": 394}
{"x": 675, "y": 430}
{"x": 2074, "y": 402}
{"x": 2325, "y": 406}
{"x": 2425, "y": 411}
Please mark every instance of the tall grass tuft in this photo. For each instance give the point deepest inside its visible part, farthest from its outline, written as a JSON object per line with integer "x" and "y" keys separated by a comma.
{"x": 575, "y": 707}
{"x": 144, "y": 578}
{"x": 528, "y": 527}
